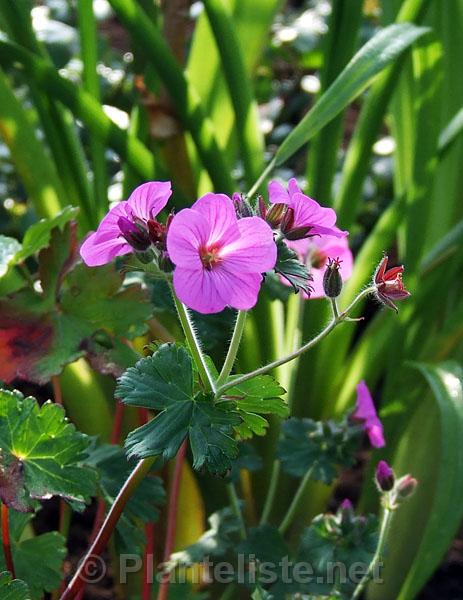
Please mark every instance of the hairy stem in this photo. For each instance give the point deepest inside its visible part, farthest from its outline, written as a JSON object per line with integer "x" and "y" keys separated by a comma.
{"x": 6, "y": 541}
{"x": 172, "y": 518}
{"x": 133, "y": 481}
{"x": 385, "y": 525}
{"x": 233, "y": 348}
{"x": 194, "y": 344}
{"x": 310, "y": 344}
{"x": 293, "y": 507}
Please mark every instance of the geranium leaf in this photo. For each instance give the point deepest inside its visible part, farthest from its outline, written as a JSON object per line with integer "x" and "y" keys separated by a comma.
{"x": 38, "y": 560}
{"x": 38, "y": 235}
{"x": 164, "y": 381}
{"x": 60, "y": 322}
{"x": 340, "y": 539}
{"x": 290, "y": 268}
{"x": 252, "y": 398}
{"x": 325, "y": 446}
{"x": 13, "y": 589}
{"x": 41, "y": 454}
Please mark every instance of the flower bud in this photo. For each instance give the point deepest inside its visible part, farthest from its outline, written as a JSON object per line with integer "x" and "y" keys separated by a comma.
{"x": 242, "y": 206}
{"x": 274, "y": 214}
{"x": 146, "y": 256}
{"x": 346, "y": 504}
{"x": 406, "y": 487}
{"x": 332, "y": 280}
{"x": 384, "y": 477}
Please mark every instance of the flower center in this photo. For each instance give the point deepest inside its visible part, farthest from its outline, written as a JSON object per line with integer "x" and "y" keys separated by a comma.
{"x": 210, "y": 256}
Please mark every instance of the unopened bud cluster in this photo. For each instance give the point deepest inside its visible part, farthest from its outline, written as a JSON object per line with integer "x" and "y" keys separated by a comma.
{"x": 394, "y": 490}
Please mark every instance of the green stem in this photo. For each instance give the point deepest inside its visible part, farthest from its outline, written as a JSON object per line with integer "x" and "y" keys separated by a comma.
{"x": 233, "y": 348}
{"x": 194, "y": 344}
{"x": 385, "y": 525}
{"x": 271, "y": 493}
{"x": 334, "y": 306}
{"x": 229, "y": 592}
{"x": 268, "y": 169}
{"x": 293, "y": 507}
{"x": 235, "y": 504}
{"x": 310, "y": 344}
{"x": 135, "y": 478}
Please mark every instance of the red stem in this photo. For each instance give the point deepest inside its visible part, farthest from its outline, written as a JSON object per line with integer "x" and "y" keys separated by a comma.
{"x": 101, "y": 540}
{"x": 148, "y": 562}
{"x": 101, "y": 507}
{"x": 57, "y": 394}
{"x": 117, "y": 424}
{"x": 6, "y": 541}
{"x": 172, "y": 518}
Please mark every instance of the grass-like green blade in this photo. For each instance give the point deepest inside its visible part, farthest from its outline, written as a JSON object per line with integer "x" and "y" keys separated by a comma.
{"x": 431, "y": 449}
{"x": 84, "y": 106}
{"x": 339, "y": 46}
{"x": 386, "y": 46}
{"x": 34, "y": 166}
{"x": 450, "y": 133}
{"x": 250, "y": 138}
{"x": 184, "y": 97}
{"x": 89, "y": 55}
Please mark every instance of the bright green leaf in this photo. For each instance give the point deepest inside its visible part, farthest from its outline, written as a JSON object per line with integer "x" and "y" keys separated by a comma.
{"x": 13, "y": 589}
{"x": 41, "y": 454}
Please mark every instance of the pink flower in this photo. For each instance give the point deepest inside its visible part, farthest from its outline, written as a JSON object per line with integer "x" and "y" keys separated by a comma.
{"x": 365, "y": 412}
{"x": 306, "y": 217}
{"x": 389, "y": 284}
{"x": 219, "y": 258}
{"x": 316, "y": 251}
{"x": 127, "y": 227}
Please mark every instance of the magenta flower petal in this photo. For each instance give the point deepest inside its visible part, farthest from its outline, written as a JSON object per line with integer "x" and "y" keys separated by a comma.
{"x": 148, "y": 199}
{"x": 219, "y": 212}
{"x": 107, "y": 242}
{"x": 254, "y": 251}
{"x": 365, "y": 412}
{"x": 188, "y": 232}
{"x": 307, "y": 212}
{"x": 277, "y": 193}
{"x": 199, "y": 289}
{"x": 219, "y": 259}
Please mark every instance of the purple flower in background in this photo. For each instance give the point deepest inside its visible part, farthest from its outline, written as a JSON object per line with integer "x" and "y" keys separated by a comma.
{"x": 129, "y": 226}
{"x": 219, "y": 258}
{"x": 316, "y": 251}
{"x": 365, "y": 412}
{"x": 304, "y": 216}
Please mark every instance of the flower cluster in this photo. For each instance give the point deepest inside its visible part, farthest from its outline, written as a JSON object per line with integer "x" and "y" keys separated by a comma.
{"x": 221, "y": 247}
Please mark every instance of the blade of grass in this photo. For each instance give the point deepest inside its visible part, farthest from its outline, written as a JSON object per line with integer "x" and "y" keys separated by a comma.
{"x": 357, "y": 160}
{"x": 59, "y": 128}
{"x": 34, "y": 166}
{"x": 339, "y": 46}
{"x": 84, "y": 107}
{"x": 91, "y": 84}
{"x": 386, "y": 46}
{"x": 250, "y": 138}
{"x": 183, "y": 96}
